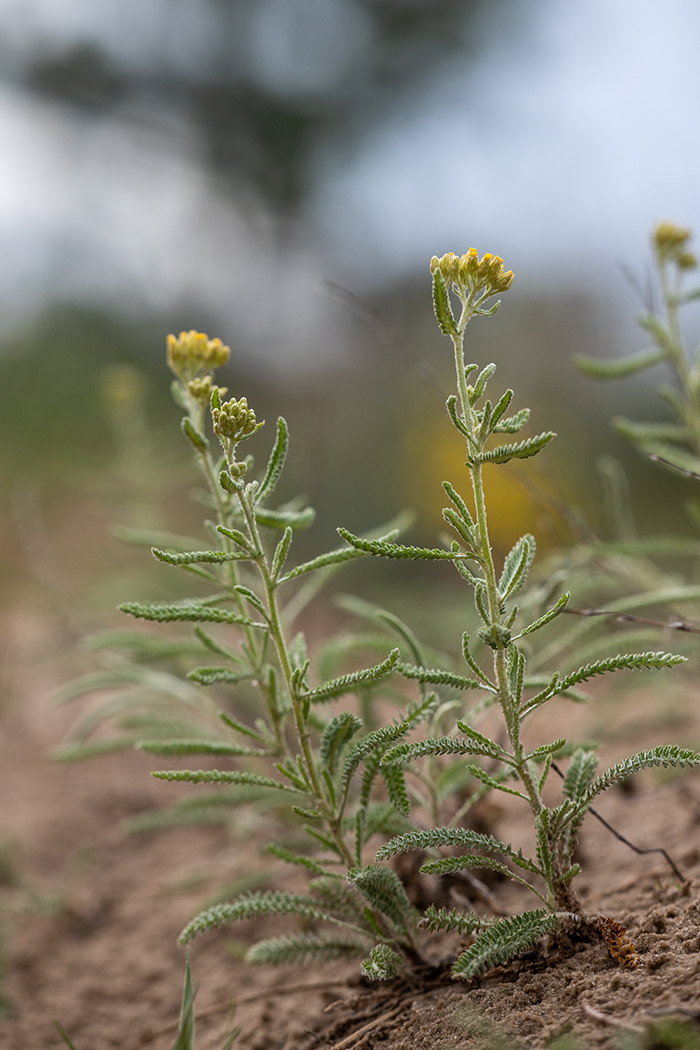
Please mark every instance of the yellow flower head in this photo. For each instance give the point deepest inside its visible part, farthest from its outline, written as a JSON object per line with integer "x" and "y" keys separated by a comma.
{"x": 193, "y": 354}
{"x": 671, "y": 245}
{"x": 472, "y": 275}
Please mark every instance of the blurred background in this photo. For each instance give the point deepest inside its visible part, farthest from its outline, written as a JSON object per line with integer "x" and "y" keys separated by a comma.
{"x": 278, "y": 173}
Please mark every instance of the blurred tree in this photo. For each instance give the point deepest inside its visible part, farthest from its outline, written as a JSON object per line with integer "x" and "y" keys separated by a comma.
{"x": 266, "y": 85}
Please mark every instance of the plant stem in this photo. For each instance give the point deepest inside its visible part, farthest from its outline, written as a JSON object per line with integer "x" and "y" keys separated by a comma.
{"x": 559, "y": 892}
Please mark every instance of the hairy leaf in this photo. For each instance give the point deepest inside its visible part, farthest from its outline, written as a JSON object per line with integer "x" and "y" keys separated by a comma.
{"x": 195, "y": 747}
{"x": 516, "y": 566}
{"x": 382, "y": 888}
{"x": 303, "y": 947}
{"x": 275, "y": 464}
{"x": 579, "y": 775}
{"x": 190, "y": 612}
{"x": 396, "y": 788}
{"x": 213, "y": 675}
{"x": 616, "y": 368}
{"x": 215, "y": 776}
{"x": 523, "y": 450}
{"x": 512, "y": 424}
{"x": 435, "y": 838}
{"x": 382, "y": 963}
{"x": 382, "y": 549}
{"x": 194, "y": 557}
{"x": 504, "y": 939}
{"x": 437, "y": 676}
{"x": 336, "y": 735}
{"x": 252, "y": 906}
{"x": 669, "y": 755}
{"x": 349, "y": 683}
{"x": 454, "y": 920}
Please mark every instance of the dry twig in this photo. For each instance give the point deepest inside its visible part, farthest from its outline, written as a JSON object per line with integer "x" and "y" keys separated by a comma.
{"x": 350, "y": 1039}
{"x": 607, "y": 1019}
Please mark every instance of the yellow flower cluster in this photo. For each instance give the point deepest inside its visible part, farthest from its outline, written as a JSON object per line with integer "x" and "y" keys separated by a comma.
{"x": 234, "y": 420}
{"x": 671, "y": 245}
{"x": 470, "y": 273}
{"x": 193, "y": 353}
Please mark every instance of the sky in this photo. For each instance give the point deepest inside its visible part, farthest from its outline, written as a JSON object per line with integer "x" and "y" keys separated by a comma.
{"x": 572, "y": 134}
{"x": 577, "y": 131}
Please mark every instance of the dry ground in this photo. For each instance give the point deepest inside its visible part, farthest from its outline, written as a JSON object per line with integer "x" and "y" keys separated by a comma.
{"x": 93, "y": 916}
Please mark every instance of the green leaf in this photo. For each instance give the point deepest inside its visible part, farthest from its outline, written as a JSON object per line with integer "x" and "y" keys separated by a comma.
{"x": 300, "y": 859}
{"x": 89, "y": 683}
{"x": 195, "y": 747}
{"x": 513, "y": 424}
{"x": 281, "y": 552}
{"x": 238, "y": 727}
{"x": 195, "y": 557}
{"x": 501, "y": 941}
{"x": 437, "y": 677}
{"x": 523, "y": 450}
{"x": 480, "y": 384}
{"x": 275, "y": 464}
{"x": 382, "y": 888}
{"x": 630, "y": 661}
{"x": 349, "y": 683}
{"x": 448, "y": 865}
{"x": 441, "y": 305}
{"x": 301, "y": 947}
{"x": 579, "y": 775}
{"x": 446, "y": 745}
{"x": 457, "y": 422}
{"x": 64, "y": 1035}
{"x": 436, "y": 838}
{"x": 216, "y": 776}
{"x": 283, "y": 519}
{"x": 253, "y": 906}
{"x": 336, "y": 557}
{"x": 516, "y": 566}
{"x": 189, "y": 611}
{"x": 459, "y": 504}
{"x": 336, "y": 736}
{"x": 383, "y": 962}
{"x": 198, "y": 441}
{"x": 643, "y": 433}
{"x": 214, "y": 675}
{"x": 501, "y": 407}
{"x": 185, "y": 1031}
{"x": 77, "y": 752}
{"x": 461, "y": 528}
{"x": 547, "y": 617}
{"x": 458, "y": 921}
{"x": 616, "y": 368}
{"x": 546, "y": 749}
{"x": 379, "y": 739}
{"x": 237, "y": 536}
{"x": 381, "y": 549}
{"x": 669, "y": 755}
{"x": 396, "y": 788}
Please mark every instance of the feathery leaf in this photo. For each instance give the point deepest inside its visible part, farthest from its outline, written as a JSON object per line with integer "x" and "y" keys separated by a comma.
{"x": 501, "y": 941}
{"x": 381, "y": 549}
{"x": 523, "y": 450}
{"x": 349, "y": 683}
{"x": 275, "y": 464}
{"x": 382, "y": 963}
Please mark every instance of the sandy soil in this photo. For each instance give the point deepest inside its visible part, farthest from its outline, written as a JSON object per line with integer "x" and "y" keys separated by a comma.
{"x": 92, "y": 916}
